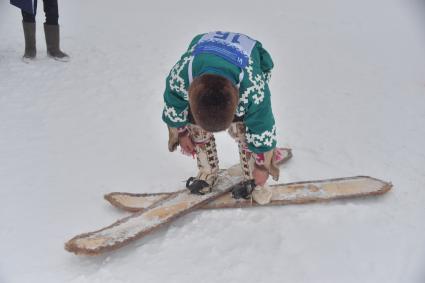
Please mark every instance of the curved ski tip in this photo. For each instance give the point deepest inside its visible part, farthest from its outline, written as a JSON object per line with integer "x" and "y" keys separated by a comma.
{"x": 387, "y": 185}
{"x": 70, "y": 247}
{"x": 73, "y": 247}
{"x": 288, "y": 156}
{"x": 112, "y": 195}
{"x": 110, "y": 198}
{"x": 289, "y": 151}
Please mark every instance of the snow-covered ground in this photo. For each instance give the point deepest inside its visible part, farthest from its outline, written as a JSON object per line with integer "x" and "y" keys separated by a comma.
{"x": 349, "y": 98}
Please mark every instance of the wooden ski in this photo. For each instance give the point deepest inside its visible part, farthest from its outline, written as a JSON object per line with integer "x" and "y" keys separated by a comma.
{"x": 291, "y": 193}
{"x": 141, "y": 223}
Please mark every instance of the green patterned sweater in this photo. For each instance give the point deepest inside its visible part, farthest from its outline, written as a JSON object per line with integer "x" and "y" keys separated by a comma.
{"x": 252, "y": 80}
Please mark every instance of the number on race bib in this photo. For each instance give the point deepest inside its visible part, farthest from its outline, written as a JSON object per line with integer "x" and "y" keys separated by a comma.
{"x": 225, "y": 35}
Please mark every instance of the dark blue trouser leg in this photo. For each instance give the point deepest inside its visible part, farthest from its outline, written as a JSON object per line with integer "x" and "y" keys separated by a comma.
{"x": 50, "y": 10}
{"x": 27, "y": 17}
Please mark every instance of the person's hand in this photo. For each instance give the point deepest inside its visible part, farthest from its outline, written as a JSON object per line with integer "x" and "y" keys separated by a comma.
{"x": 260, "y": 176}
{"x": 186, "y": 144}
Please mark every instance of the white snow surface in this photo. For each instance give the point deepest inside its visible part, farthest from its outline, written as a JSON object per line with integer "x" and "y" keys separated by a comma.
{"x": 348, "y": 93}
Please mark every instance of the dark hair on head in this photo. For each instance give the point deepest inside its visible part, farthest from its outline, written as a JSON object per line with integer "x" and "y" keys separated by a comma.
{"x": 213, "y": 100}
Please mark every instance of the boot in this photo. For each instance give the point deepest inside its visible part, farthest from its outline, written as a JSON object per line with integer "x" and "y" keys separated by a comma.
{"x": 243, "y": 190}
{"x": 247, "y": 189}
{"x": 237, "y": 132}
{"x": 262, "y": 194}
{"x": 30, "y": 48}
{"x": 52, "y": 41}
{"x": 207, "y": 161}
